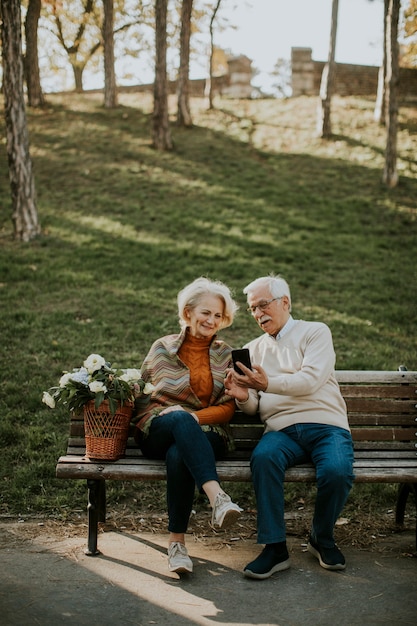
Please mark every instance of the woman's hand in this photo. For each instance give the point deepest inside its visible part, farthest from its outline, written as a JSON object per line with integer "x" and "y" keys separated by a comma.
{"x": 178, "y": 407}
{"x": 233, "y": 389}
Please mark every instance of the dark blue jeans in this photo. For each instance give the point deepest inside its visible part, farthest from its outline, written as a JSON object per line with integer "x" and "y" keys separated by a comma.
{"x": 331, "y": 451}
{"x": 190, "y": 455}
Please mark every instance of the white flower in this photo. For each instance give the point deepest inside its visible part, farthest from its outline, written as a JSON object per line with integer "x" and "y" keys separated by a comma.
{"x": 96, "y": 386}
{"x": 148, "y": 388}
{"x": 64, "y": 380}
{"x": 48, "y": 399}
{"x": 93, "y": 363}
{"x": 130, "y": 375}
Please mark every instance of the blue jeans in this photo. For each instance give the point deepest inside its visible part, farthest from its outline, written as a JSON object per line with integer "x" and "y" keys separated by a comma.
{"x": 190, "y": 455}
{"x": 331, "y": 451}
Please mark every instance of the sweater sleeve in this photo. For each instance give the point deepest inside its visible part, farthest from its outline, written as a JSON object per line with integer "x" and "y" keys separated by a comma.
{"x": 252, "y": 403}
{"x": 216, "y": 414}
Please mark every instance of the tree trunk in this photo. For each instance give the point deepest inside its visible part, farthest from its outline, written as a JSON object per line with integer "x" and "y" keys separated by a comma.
{"x": 78, "y": 76}
{"x": 390, "y": 175}
{"x": 25, "y": 216}
{"x": 161, "y": 134}
{"x": 184, "y": 113}
{"x": 380, "y": 104}
{"x": 324, "y": 127}
{"x": 33, "y": 81}
{"x": 210, "y": 79}
{"x": 110, "y": 89}
{"x": 379, "y": 111}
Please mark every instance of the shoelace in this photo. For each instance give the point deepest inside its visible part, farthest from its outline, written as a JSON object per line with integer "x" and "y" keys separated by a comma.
{"x": 221, "y": 498}
{"x": 176, "y": 548}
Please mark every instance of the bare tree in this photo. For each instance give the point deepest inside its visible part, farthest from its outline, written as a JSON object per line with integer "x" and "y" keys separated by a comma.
{"x": 211, "y": 57}
{"x": 24, "y": 216}
{"x": 110, "y": 89}
{"x": 79, "y": 30}
{"x": 324, "y": 126}
{"x": 390, "y": 175}
{"x": 161, "y": 134}
{"x": 33, "y": 81}
{"x": 184, "y": 112}
{"x": 77, "y": 60}
{"x": 282, "y": 74}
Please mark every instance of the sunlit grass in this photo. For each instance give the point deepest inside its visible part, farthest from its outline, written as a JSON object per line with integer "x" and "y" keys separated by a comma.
{"x": 248, "y": 191}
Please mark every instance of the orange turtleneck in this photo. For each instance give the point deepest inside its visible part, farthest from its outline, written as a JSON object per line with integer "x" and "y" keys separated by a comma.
{"x": 194, "y": 352}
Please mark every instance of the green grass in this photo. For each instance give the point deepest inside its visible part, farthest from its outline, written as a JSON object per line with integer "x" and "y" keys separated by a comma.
{"x": 248, "y": 191}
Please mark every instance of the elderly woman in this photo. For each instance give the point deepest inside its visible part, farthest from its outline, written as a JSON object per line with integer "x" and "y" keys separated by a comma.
{"x": 184, "y": 421}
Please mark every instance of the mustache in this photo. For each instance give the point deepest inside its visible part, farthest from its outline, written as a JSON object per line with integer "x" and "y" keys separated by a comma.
{"x": 264, "y": 318}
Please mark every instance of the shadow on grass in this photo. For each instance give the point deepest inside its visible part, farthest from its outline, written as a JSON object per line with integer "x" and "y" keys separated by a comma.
{"x": 125, "y": 227}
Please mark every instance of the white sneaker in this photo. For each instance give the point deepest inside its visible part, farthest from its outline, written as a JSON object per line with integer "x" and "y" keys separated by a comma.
{"x": 225, "y": 512}
{"x": 178, "y": 559}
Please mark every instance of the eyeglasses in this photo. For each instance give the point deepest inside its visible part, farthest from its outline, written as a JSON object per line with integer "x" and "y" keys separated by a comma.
{"x": 262, "y": 305}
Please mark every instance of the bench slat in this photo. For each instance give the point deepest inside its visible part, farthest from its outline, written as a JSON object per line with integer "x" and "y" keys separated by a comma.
{"x": 397, "y": 419}
{"x": 378, "y": 391}
{"x": 384, "y": 434}
{"x": 244, "y": 450}
{"x": 373, "y": 376}
{"x": 378, "y": 405}
{"x": 371, "y": 470}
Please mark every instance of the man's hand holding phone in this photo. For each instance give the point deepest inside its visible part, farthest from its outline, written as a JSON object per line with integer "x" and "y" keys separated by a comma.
{"x": 238, "y": 379}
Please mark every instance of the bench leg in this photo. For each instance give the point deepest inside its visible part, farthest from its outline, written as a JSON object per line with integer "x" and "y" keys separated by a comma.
{"x": 404, "y": 490}
{"x": 96, "y": 509}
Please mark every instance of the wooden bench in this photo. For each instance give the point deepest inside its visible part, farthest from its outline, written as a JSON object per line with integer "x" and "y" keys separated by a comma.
{"x": 382, "y": 409}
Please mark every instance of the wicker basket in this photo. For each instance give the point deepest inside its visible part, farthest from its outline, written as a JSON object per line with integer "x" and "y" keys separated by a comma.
{"x": 106, "y": 434}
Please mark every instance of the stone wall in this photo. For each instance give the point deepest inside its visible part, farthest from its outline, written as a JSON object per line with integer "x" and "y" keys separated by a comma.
{"x": 350, "y": 80}
{"x": 235, "y": 84}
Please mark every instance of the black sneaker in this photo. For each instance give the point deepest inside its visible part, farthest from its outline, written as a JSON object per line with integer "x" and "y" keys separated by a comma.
{"x": 329, "y": 558}
{"x": 268, "y": 562}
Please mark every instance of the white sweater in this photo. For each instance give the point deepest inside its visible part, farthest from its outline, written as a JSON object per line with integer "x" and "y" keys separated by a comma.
{"x": 302, "y": 386}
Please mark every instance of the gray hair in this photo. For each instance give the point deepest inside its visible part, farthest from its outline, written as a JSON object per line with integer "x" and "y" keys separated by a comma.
{"x": 277, "y": 286}
{"x": 190, "y": 296}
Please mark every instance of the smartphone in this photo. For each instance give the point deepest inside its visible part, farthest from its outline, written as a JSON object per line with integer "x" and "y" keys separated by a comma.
{"x": 243, "y": 356}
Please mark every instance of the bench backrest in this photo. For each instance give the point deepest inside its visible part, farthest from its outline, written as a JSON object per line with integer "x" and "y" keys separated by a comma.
{"x": 382, "y": 411}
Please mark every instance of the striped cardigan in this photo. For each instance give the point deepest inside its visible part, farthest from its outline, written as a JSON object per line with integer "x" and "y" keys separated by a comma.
{"x": 164, "y": 369}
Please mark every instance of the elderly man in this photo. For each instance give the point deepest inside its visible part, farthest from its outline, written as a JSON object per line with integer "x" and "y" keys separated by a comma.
{"x": 292, "y": 383}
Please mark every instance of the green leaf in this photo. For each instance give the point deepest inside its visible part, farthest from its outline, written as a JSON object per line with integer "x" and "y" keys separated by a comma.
{"x": 99, "y": 399}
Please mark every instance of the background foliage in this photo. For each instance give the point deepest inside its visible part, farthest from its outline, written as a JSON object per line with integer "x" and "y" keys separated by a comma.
{"x": 248, "y": 191}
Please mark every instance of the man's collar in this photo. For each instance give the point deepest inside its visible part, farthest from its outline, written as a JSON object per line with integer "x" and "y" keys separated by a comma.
{"x": 287, "y": 326}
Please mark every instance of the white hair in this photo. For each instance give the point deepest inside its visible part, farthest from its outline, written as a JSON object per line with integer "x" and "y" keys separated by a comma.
{"x": 277, "y": 286}
{"x": 190, "y": 296}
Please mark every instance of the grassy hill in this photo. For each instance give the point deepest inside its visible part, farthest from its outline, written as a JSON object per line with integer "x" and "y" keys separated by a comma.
{"x": 248, "y": 191}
